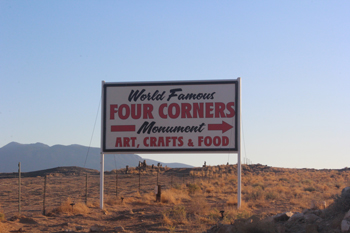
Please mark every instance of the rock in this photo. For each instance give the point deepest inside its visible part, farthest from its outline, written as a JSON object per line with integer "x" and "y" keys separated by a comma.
{"x": 14, "y": 218}
{"x": 281, "y": 229}
{"x": 318, "y": 212}
{"x": 297, "y": 217}
{"x": 345, "y": 226}
{"x": 311, "y": 218}
{"x": 311, "y": 228}
{"x": 239, "y": 222}
{"x": 253, "y": 219}
{"x": 345, "y": 190}
{"x": 283, "y": 217}
{"x": 347, "y": 216}
{"x": 27, "y": 220}
{"x": 96, "y": 228}
{"x": 268, "y": 219}
{"x": 220, "y": 228}
{"x": 307, "y": 211}
{"x": 78, "y": 228}
{"x": 119, "y": 229}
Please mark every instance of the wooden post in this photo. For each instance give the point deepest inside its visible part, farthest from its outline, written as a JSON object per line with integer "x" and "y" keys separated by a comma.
{"x": 157, "y": 175}
{"x": 139, "y": 180}
{"x": 159, "y": 193}
{"x": 19, "y": 188}
{"x": 44, "y": 196}
{"x": 86, "y": 189}
{"x": 116, "y": 183}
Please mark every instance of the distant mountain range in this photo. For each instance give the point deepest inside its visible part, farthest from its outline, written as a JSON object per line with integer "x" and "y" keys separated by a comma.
{"x": 38, "y": 156}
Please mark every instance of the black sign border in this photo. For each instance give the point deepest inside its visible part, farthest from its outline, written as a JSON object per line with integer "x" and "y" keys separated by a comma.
{"x": 170, "y": 83}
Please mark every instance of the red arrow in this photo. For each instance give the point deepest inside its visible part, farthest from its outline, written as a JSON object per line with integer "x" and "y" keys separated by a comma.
{"x": 224, "y": 126}
{"x": 122, "y": 128}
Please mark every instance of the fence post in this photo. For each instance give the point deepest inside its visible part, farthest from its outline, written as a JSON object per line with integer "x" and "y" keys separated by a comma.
{"x": 86, "y": 189}
{"x": 116, "y": 183}
{"x": 19, "y": 188}
{"x": 157, "y": 175}
{"x": 44, "y": 196}
{"x": 139, "y": 180}
{"x": 159, "y": 193}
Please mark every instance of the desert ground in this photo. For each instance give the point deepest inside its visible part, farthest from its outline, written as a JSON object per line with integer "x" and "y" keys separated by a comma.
{"x": 192, "y": 199}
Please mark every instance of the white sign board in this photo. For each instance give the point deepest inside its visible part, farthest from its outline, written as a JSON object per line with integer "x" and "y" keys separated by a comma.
{"x": 151, "y": 117}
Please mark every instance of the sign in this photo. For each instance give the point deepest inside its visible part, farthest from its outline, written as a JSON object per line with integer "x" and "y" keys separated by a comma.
{"x": 189, "y": 116}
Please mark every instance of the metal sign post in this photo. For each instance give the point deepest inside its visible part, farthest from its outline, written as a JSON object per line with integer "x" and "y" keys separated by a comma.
{"x": 239, "y": 145}
{"x": 102, "y": 168}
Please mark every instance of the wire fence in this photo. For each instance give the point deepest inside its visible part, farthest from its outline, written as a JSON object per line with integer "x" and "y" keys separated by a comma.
{"x": 36, "y": 197}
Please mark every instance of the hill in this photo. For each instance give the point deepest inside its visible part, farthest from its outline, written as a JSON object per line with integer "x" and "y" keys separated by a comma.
{"x": 38, "y": 156}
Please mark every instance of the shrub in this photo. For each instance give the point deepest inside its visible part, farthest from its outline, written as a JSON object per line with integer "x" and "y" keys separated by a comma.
{"x": 2, "y": 215}
{"x": 271, "y": 195}
{"x": 307, "y": 182}
{"x": 212, "y": 218}
{"x": 258, "y": 185}
{"x": 170, "y": 196}
{"x": 167, "y": 220}
{"x": 146, "y": 198}
{"x": 177, "y": 186}
{"x": 175, "y": 215}
{"x": 243, "y": 214}
{"x": 255, "y": 195}
{"x": 198, "y": 205}
{"x": 192, "y": 188}
{"x": 112, "y": 200}
{"x": 66, "y": 207}
{"x": 232, "y": 201}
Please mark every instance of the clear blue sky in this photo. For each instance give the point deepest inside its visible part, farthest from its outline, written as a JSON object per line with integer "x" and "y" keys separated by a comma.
{"x": 293, "y": 57}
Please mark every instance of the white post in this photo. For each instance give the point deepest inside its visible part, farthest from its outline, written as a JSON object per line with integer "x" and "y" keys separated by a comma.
{"x": 102, "y": 179}
{"x": 239, "y": 168}
{"x": 102, "y": 155}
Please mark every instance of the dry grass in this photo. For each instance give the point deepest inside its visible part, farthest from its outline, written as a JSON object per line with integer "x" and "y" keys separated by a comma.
{"x": 93, "y": 204}
{"x": 174, "y": 196}
{"x": 2, "y": 228}
{"x": 198, "y": 206}
{"x": 110, "y": 200}
{"x": 293, "y": 190}
{"x": 232, "y": 201}
{"x": 175, "y": 215}
{"x": 2, "y": 216}
{"x": 192, "y": 200}
{"x": 69, "y": 207}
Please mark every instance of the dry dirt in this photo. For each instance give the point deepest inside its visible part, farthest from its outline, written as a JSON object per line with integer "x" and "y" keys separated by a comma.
{"x": 191, "y": 198}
